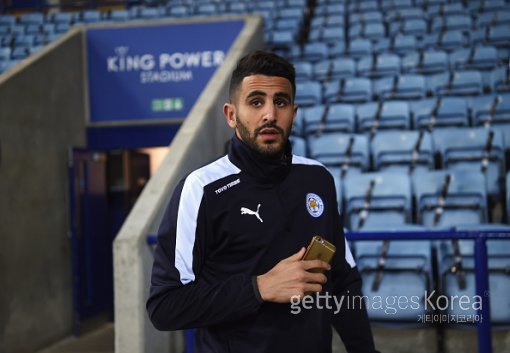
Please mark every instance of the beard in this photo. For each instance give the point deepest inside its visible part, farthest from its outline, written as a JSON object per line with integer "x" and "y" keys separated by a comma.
{"x": 275, "y": 149}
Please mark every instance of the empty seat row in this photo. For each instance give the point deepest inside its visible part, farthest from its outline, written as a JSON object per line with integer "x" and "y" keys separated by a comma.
{"x": 403, "y": 46}
{"x": 402, "y": 87}
{"x": 430, "y": 7}
{"x": 429, "y": 114}
{"x": 386, "y": 64}
{"x": 448, "y": 40}
{"x": 411, "y": 152}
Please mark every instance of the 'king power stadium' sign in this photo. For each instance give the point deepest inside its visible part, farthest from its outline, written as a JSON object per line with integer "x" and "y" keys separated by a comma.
{"x": 153, "y": 72}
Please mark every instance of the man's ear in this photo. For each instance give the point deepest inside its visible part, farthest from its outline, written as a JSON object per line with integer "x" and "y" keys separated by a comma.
{"x": 295, "y": 108}
{"x": 230, "y": 115}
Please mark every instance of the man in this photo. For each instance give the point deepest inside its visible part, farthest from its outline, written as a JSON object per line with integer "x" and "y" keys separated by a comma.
{"x": 230, "y": 246}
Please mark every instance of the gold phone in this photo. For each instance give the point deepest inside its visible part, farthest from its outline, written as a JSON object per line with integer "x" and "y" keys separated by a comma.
{"x": 319, "y": 249}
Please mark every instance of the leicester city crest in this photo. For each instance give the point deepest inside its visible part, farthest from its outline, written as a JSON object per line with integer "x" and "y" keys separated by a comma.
{"x": 314, "y": 205}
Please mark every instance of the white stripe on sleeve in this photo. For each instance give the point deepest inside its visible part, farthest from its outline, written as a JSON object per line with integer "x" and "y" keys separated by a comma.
{"x": 187, "y": 215}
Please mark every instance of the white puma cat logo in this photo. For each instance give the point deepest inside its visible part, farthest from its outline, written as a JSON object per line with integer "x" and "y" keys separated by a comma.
{"x": 245, "y": 210}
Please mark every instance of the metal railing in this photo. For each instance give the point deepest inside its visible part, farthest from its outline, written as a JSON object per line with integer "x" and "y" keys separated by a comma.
{"x": 479, "y": 237}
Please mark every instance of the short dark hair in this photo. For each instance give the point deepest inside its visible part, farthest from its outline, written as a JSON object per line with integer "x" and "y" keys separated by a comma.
{"x": 265, "y": 63}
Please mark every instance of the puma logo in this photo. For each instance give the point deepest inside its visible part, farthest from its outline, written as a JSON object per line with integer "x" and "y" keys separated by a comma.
{"x": 245, "y": 210}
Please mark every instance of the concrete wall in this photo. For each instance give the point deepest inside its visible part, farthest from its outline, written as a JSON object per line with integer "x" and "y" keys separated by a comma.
{"x": 201, "y": 138}
{"x": 41, "y": 115}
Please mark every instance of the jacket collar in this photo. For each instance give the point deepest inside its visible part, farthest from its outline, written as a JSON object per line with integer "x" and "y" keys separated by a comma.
{"x": 263, "y": 169}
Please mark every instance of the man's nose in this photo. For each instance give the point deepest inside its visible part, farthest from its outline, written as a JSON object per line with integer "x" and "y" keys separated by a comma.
{"x": 270, "y": 113}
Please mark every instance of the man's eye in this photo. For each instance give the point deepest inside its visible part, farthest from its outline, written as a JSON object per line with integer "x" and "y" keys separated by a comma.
{"x": 280, "y": 103}
{"x": 256, "y": 103}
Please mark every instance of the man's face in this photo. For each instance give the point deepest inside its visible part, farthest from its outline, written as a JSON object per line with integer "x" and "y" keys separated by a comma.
{"x": 262, "y": 113}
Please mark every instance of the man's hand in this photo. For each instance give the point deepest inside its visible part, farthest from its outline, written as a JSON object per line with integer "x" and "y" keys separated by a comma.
{"x": 290, "y": 277}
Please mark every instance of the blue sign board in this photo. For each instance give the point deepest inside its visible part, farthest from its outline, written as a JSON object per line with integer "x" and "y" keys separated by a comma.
{"x": 153, "y": 72}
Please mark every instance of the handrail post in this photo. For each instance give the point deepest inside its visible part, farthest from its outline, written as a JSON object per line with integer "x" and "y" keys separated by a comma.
{"x": 483, "y": 326}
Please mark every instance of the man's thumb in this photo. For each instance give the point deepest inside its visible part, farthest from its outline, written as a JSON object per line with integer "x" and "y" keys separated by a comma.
{"x": 297, "y": 256}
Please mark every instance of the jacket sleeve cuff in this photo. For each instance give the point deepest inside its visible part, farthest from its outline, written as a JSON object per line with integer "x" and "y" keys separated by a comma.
{"x": 256, "y": 289}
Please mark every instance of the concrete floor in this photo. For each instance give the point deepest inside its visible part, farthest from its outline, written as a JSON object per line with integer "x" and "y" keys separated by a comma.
{"x": 100, "y": 340}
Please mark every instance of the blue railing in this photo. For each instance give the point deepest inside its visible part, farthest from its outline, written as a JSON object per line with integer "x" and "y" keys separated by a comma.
{"x": 481, "y": 269}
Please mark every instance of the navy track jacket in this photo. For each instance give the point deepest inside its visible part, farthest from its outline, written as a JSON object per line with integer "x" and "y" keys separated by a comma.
{"x": 234, "y": 219}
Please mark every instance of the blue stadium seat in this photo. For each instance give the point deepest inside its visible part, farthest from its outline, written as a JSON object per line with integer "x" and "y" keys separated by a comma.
{"x": 413, "y": 26}
{"x": 34, "y": 18}
{"x": 32, "y": 29}
{"x": 61, "y": 28}
{"x": 399, "y": 44}
{"x": 456, "y": 269}
{"x": 363, "y": 6}
{"x": 435, "y": 112}
{"x": 405, "y": 86}
{"x": 377, "y": 199}
{"x": 500, "y": 79}
{"x": 447, "y": 40}
{"x": 446, "y": 198}
{"x": 281, "y": 39}
{"x": 4, "y": 30}
{"x": 451, "y": 23}
{"x": 207, "y": 9}
{"x": 119, "y": 15}
{"x": 298, "y": 145}
{"x": 337, "y": 50}
{"x": 456, "y": 83}
{"x": 5, "y": 54}
{"x": 349, "y": 90}
{"x": 342, "y": 153}
{"x": 372, "y": 30}
{"x": 19, "y": 53}
{"x": 308, "y": 93}
{"x": 483, "y": 6}
{"x": 8, "y": 20}
{"x": 264, "y": 5}
{"x": 384, "y": 64}
{"x": 6, "y": 65}
{"x": 477, "y": 149}
{"x": 477, "y": 57}
{"x": 237, "y": 8}
{"x": 359, "y": 47}
{"x": 333, "y": 118}
{"x": 395, "y": 269}
{"x": 493, "y": 18}
{"x": 304, "y": 70}
{"x": 90, "y": 16}
{"x": 311, "y": 52}
{"x": 334, "y": 69}
{"x": 23, "y": 41}
{"x": 491, "y": 109}
{"x": 496, "y": 35}
{"x": 293, "y": 24}
{"x": 425, "y": 62}
{"x": 327, "y": 21}
{"x": 373, "y": 116}
{"x": 40, "y": 39}
{"x": 48, "y": 28}
{"x": 63, "y": 17}
{"x": 387, "y": 5}
{"x": 150, "y": 13}
{"x": 17, "y": 30}
{"x": 290, "y": 13}
{"x": 297, "y": 128}
{"x": 444, "y": 8}
{"x": 365, "y": 17}
{"x": 330, "y": 9}
{"x": 328, "y": 35}
{"x": 412, "y": 13}
{"x": 402, "y": 151}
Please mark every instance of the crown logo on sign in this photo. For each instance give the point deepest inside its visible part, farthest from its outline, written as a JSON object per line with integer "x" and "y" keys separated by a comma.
{"x": 121, "y": 51}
